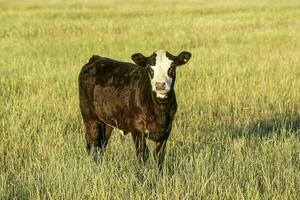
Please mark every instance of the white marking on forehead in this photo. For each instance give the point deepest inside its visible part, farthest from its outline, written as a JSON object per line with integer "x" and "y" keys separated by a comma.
{"x": 160, "y": 55}
{"x": 160, "y": 69}
{"x": 162, "y": 60}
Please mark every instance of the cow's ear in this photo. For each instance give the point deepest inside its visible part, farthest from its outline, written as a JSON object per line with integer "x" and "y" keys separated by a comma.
{"x": 183, "y": 58}
{"x": 139, "y": 59}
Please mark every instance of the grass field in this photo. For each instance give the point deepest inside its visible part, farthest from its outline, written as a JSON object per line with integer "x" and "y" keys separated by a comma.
{"x": 236, "y": 132}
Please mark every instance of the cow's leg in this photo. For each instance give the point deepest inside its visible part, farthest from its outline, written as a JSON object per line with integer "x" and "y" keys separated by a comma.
{"x": 159, "y": 154}
{"x": 90, "y": 120}
{"x": 97, "y": 135}
{"x": 92, "y": 133}
{"x": 141, "y": 148}
{"x": 104, "y": 135}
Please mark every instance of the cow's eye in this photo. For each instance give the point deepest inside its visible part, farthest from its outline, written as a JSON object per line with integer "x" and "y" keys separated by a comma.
{"x": 171, "y": 71}
{"x": 151, "y": 72}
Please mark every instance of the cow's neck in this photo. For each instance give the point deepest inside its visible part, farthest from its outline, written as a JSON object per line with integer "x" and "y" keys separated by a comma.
{"x": 152, "y": 108}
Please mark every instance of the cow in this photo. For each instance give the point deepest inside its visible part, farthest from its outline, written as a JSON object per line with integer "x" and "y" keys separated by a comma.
{"x": 137, "y": 98}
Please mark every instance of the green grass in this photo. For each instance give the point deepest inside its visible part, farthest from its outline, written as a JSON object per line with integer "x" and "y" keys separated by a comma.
{"x": 236, "y": 132}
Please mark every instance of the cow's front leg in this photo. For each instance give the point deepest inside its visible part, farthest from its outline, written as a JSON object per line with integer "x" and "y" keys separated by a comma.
{"x": 159, "y": 154}
{"x": 142, "y": 151}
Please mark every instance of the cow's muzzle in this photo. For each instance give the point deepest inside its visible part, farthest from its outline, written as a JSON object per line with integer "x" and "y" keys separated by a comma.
{"x": 160, "y": 85}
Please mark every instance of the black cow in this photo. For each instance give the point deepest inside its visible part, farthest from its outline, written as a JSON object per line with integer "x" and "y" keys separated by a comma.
{"x": 133, "y": 98}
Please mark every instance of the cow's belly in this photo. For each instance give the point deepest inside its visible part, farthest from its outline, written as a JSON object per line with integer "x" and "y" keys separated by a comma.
{"x": 112, "y": 106}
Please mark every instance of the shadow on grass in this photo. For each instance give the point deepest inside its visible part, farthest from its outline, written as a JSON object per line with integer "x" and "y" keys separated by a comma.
{"x": 266, "y": 127}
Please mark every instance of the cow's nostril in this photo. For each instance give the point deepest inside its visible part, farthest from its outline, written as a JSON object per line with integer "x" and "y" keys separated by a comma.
{"x": 160, "y": 85}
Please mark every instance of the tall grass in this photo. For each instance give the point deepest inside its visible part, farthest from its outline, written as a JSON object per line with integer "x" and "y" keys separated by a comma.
{"x": 236, "y": 132}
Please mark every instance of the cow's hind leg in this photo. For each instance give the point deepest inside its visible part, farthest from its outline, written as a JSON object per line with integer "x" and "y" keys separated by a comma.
{"x": 142, "y": 151}
{"x": 104, "y": 135}
{"x": 92, "y": 132}
{"x": 97, "y": 135}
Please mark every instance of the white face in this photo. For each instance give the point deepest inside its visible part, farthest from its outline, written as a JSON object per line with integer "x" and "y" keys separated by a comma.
{"x": 160, "y": 80}
{"x": 161, "y": 67}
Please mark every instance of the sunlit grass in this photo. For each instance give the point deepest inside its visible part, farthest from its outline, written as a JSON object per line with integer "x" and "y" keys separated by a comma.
{"x": 236, "y": 132}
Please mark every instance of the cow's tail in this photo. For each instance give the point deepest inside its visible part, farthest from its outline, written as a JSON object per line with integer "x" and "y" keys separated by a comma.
{"x": 90, "y": 64}
{"x": 84, "y": 74}
{"x": 95, "y": 58}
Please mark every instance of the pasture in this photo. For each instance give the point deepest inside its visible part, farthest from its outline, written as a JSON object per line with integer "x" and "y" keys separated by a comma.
{"x": 236, "y": 131}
